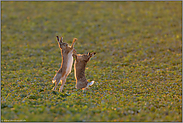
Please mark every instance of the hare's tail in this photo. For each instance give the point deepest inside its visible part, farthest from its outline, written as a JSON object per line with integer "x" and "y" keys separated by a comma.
{"x": 56, "y": 78}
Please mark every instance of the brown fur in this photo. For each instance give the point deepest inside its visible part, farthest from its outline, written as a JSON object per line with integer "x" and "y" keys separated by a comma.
{"x": 61, "y": 74}
{"x": 79, "y": 68}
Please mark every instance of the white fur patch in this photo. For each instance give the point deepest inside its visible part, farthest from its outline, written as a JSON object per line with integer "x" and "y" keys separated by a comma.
{"x": 53, "y": 81}
{"x": 69, "y": 63}
{"x": 89, "y": 84}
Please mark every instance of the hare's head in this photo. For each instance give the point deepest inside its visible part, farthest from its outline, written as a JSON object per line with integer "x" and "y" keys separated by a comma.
{"x": 84, "y": 57}
{"x": 61, "y": 44}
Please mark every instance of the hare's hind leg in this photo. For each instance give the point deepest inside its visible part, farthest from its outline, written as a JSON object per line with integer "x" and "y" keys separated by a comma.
{"x": 56, "y": 80}
{"x": 62, "y": 86}
{"x": 56, "y": 84}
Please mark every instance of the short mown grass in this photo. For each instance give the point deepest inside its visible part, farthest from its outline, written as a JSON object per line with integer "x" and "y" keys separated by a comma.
{"x": 137, "y": 69}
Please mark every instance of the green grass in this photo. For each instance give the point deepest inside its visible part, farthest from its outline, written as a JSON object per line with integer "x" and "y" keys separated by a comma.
{"x": 137, "y": 69}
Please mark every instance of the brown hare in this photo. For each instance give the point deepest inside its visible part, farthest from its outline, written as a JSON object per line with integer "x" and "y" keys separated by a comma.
{"x": 79, "y": 70}
{"x": 66, "y": 65}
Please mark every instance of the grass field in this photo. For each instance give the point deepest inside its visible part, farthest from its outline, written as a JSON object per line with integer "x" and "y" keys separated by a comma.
{"x": 137, "y": 69}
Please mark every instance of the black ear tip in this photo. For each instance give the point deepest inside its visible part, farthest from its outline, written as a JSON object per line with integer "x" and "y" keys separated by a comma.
{"x": 57, "y": 38}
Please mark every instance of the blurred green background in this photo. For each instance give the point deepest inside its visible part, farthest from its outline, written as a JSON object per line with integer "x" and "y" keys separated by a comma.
{"x": 137, "y": 69}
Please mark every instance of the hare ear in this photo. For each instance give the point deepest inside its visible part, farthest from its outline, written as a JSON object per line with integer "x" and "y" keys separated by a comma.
{"x": 92, "y": 54}
{"x": 57, "y": 38}
{"x": 61, "y": 39}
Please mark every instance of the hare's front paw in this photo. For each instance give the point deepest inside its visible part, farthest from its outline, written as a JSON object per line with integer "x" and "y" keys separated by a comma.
{"x": 74, "y": 51}
{"x": 75, "y": 39}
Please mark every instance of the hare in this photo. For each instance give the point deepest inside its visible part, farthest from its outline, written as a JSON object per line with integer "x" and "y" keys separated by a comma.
{"x": 79, "y": 70}
{"x": 66, "y": 65}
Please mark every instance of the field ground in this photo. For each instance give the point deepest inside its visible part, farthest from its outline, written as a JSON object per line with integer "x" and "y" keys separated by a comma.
{"x": 137, "y": 69}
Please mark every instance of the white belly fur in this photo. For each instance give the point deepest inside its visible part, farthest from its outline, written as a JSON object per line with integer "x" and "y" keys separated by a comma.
{"x": 69, "y": 63}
